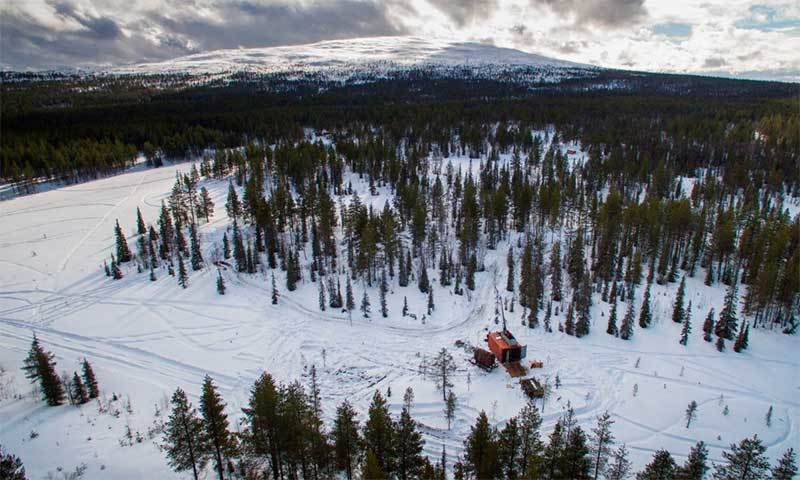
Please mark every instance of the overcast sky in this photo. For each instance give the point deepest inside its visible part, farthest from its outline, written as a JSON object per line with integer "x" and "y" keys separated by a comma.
{"x": 748, "y": 38}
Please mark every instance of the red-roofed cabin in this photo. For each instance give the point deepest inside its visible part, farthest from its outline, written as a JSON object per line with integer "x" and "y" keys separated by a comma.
{"x": 505, "y": 347}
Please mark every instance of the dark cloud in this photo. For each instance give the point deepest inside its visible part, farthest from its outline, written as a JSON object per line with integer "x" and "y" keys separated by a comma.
{"x": 464, "y": 12}
{"x": 600, "y": 13}
{"x": 714, "y": 62}
{"x": 174, "y": 30}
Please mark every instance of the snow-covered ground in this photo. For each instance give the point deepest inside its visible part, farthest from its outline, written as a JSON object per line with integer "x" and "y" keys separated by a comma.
{"x": 147, "y": 338}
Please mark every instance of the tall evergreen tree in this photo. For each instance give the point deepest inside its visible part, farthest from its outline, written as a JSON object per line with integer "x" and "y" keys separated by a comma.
{"x": 141, "y": 228}
{"x": 215, "y": 426}
{"x": 691, "y": 413}
{"x": 196, "y": 254}
{"x": 11, "y": 467}
{"x": 786, "y": 469}
{"x": 78, "y": 390}
{"x": 508, "y": 449}
{"x": 601, "y": 441}
{"x": 745, "y": 461}
{"x": 612, "y": 319}
{"x": 678, "y": 311}
{"x": 123, "y": 252}
{"x": 384, "y": 287}
{"x": 350, "y": 302}
{"x": 686, "y": 329}
{"x": 89, "y": 379}
{"x": 626, "y": 328}
{"x": 510, "y": 265}
{"x": 365, "y": 305}
{"x": 379, "y": 434}
{"x": 645, "y": 317}
{"x": 619, "y": 467}
{"x": 264, "y": 422}
{"x": 444, "y": 368}
{"x": 662, "y": 467}
{"x": 220, "y": 283}
{"x": 726, "y": 325}
{"x": 480, "y": 449}
{"x": 708, "y": 326}
{"x": 695, "y": 467}
{"x": 274, "y": 294}
{"x": 408, "y": 446}
{"x": 183, "y": 276}
{"x": 184, "y": 442}
{"x": 346, "y": 439}
{"x": 555, "y": 272}
{"x": 450, "y": 408}
{"x": 40, "y": 367}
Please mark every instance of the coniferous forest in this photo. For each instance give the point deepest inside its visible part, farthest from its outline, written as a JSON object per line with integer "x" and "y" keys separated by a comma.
{"x": 590, "y": 197}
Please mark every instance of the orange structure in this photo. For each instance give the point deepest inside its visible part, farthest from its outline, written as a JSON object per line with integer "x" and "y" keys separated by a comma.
{"x": 505, "y": 347}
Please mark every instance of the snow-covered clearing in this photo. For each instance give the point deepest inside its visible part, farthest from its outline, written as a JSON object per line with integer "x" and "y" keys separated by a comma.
{"x": 147, "y": 338}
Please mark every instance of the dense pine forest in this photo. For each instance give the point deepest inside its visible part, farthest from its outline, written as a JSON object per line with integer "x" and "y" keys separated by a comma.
{"x": 588, "y": 195}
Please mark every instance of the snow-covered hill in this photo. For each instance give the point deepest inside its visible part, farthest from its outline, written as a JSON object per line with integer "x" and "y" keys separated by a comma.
{"x": 376, "y": 56}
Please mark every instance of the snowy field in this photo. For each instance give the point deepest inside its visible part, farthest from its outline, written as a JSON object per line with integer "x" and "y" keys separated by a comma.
{"x": 147, "y": 338}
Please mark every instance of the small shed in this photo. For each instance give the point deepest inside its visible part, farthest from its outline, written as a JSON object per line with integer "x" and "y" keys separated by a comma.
{"x": 484, "y": 359}
{"x": 505, "y": 347}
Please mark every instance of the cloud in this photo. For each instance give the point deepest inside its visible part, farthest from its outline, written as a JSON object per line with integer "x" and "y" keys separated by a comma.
{"x": 82, "y": 37}
{"x": 600, "y": 13}
{"x": 464, "y": 12}
{"x": 673, "y": 29}
{"x": 771, "y": 17}
{"x": 714, "y": 62}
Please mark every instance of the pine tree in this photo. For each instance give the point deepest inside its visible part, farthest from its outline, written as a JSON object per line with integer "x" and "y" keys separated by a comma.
{"x": 508, "y": 449}
{"x": 786, "y": 469}
{"x": 720, "y": 344}
{"x": 226, "y": 246}
{"x": 232, "y": 205}
{"x": 691, "y": 413}
{"x": 264, "y": 422}
{"x": 741, "y": 339}
{"x": 431, "y": 306}
{"x": 116, "y": 272}
{"x": 123, "y": 252}
{"x": 379, "y": 434}
{"x": 678, "y": 311}
{"x": 365, "y": 310}
{"x": 619, "y": 468}
{"x": 480, "y": 449}
{"x": 346, "y": 439}
{"x": 472, "y": 267}
{"x": 78, "y": 390}
{"x": 708, "y": 326}
{"x": 663, "y": 467}
{"x": 274, "y": 290}
{"x": 184, "y": 442}
{"x": 569, "y": 324}
{"x": 350, "y": 302}
{"x": 384, "y": 287}
{"x": 510, "y": 265}
{"x": 450, "y": 408}
{"x": 686, "y": 329}
{"x": 215, "y": 426}
{"x": 206, "y": 207}
{"x": 745, "y": 461}
{"x": 40, "y": 367}
{"x": 408, "y": 445}
{"x": 695, "y": 467}
{"x": 321, "y": 295}
{"x": 11, "y": 467}
{"x": 106, "y": 269}
{"x": 220, "y": 283}
{"x": 553, "y": 452}
{"x": 141, "y": 228}
{"x": 768, "y": 417}
{"x": 372, "y": 468}
{"x": 645, "y": 317}
{"x": 443, "y": 367}
{"x": 183, "y": 276}
{"x": 531, "y": 446}
{"x": 726, "y": 325}
{"x": 547, "y": 316}
{"x": 612, "y": 319}
{"x": 601, "y": 441}
{"x": 405, "y": 306}
{"x": 197, "y": 255}
{"x": 423, "y": 283}
{"x": 89, "y": 380}
{"x": 584, "y": 301}
{"x": 575, "y": 462}
{"x": 555, "y": 272}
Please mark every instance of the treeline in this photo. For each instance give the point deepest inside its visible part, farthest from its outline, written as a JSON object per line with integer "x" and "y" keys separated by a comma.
{"x": 72, "y": 134}
{"x": 283, "y": 436}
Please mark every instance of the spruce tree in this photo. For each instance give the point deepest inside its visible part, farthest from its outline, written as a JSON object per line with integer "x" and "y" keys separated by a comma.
{"x": 508, "y": 449}
{"x": 443, "y": 368}
{"x": 346, "y": 440}
{"x": 226, "y": 246}
{"x": 619, "y": 466}
{"x": 510, "y": 265}
{"x": 423, "y": 283}
{"x": 582, "y": 305}
{"x": 11, "y": 467}
{"x": 686, "y": 329}
{"x": 372, "y": 468}
{"x": 547, "y": 316}
{"x": 691, "y": 413}
{"x": 480, "y": 449}
{"x": 141, "y": 227}
{"x": 78, "y": 390}
{"x": 379, "y": 433}
{"x": 612, "y": 319}
{"x": 575, "y": 462}
{"x": 695, "y": 467}
{"x": 350, "y": 302}
{"x": 662, "y": 467}
{"x": 408, "y": 445}
{"x": 220, "y": 283}
{"x": 450, "y": 408}
{"x": 786, "y": 469}
{"x": 708, "y": 326}
{"x": 555, "y": 272}
{"x": 384, "y": 287}
{"x": 645, "y": 317}
{"x": 183, "y": 276}
{"x": 89, "y": 379}
{"x": 321, "y": 295}
{"x": 40, "y": 367}
{"x": 215, "y": 426}
{"x": 123, "y": 252}
{"x": 601, "y": 441}
{"x": 431, "y": 305}
{"x": 720, "y": 344}
{"x": 264, "y": 422}
{"x": 569, "y": 324}
{"x": 745, "y": 461}
{"x": 184, "y": 441}
{"x": 116, "y": 272}
{"x": 678, "y": 311}
{"x": 365, "y": 305}
{"x": 274, "y": 290}
{"x": 531, "y": 446}
{"x": 741, "y": 339}
{"x": 553, "y": 452}
{"x": 726, "y": 325}
{"x": 196, "y": 254}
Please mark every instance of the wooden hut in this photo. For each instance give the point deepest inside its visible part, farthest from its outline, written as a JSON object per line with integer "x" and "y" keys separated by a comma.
{"x": 484, "y": 359}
